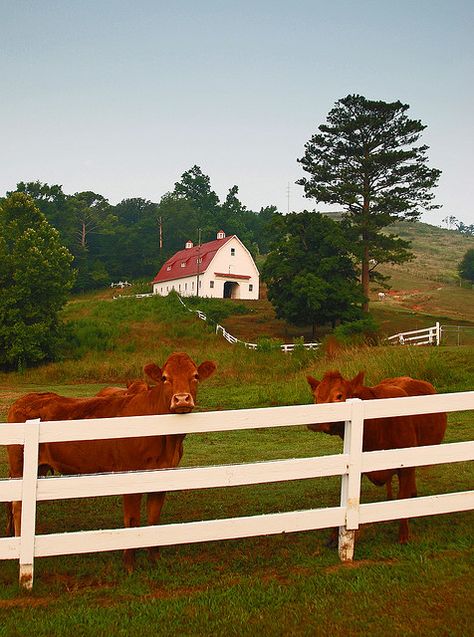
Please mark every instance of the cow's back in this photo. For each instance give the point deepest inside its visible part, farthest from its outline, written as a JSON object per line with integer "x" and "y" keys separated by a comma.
{"x": 96, "y": 455}
{"x": 430, "y": 428}
{"x": 28, "y": 407}
{"x": 393, "y": 432}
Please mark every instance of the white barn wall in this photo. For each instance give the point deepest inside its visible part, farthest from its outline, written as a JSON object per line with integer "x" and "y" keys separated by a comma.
{"x": 240, "y": 263}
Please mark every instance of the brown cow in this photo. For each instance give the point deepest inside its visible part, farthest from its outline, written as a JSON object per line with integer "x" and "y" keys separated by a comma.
{"x": 430, "y": 428}
{"x": 175, "y": 393}
{"x": 133, "y": 387}
{"x": 384, "y": 433}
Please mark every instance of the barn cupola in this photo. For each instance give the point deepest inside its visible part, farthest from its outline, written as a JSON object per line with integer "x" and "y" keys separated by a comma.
{"x": 189, "y": 244}
{"x": 220, "y": 234}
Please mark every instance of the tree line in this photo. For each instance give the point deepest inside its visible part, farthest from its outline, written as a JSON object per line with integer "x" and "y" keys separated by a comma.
{"x": 133, "y": 238}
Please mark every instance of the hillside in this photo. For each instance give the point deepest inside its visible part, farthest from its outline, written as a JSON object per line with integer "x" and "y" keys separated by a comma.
{"x": 422, "y": 291}
{"x": 437, "y": 251}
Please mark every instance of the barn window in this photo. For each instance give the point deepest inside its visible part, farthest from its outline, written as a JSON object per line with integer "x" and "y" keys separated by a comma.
{"x": 192, "y": 285}
{"x": 185, "y": 286}
{"x": 250, "y": 287}
{"x": 232, "y": 252}
{"x": 168, "y": 268}
{"x": 179, "y": 286}
{"x": 211, "y": 284}
{"x": 183, "y": 264}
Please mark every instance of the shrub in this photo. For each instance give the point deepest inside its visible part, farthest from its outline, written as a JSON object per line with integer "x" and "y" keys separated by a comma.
{"x": 362, "y": 331}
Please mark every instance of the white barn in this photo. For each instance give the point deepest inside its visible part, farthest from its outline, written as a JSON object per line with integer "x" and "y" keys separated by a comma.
{"x": 222, "y": 268}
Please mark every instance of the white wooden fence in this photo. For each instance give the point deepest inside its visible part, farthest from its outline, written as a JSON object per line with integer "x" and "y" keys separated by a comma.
{"x": 426, "y": 336}
{"x": 350, "y": 465}
{"x": 289, "y": 347}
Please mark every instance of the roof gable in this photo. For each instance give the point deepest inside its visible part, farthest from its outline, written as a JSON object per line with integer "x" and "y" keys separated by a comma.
{"x": 173, "y": 268}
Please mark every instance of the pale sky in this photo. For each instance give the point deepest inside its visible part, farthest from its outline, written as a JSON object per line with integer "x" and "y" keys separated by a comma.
{"x": 121, "y": 97}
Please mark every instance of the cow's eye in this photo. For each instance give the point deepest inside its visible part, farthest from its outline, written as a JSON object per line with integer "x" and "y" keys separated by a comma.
{"x": 164, "y": 378}
{"x": 196, "y": 377}
{"x": 339, "y": 397}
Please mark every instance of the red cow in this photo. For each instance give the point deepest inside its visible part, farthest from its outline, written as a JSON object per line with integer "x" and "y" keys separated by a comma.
{"x": 175, "y": 393}
{"x": 133, "y": 387}
{"x": 384, "y": 433}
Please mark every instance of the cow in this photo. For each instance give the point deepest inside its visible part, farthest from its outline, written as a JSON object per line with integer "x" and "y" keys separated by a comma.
{"x": 384, "y": 433}
{"x": 430, "y": 428}
{"x": 174, "y": 393}
{"x": 133, "y": 387}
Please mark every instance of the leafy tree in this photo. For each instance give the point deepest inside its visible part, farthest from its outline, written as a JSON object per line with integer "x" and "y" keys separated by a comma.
{"x": 35, "y": 277}
{"x": 261, "y": 227}
{"x": 365, "y": 159}
{"x": 234, "y": 218}
{"x": 310, "y": 275}
{"x": 196, "y": 189}
{"x": 466, "y": 267}
{"x": 134, "y": 250}
{"x": 94, "y": 232}
{"x": 464, "y": 229}
{"x": 54, "y": 203}
{"x": 180, "y": 223}
{"x": 92, "y": 215}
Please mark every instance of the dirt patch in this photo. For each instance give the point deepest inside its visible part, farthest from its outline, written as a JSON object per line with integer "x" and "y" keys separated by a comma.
{"x": 356, "y": 564}
{"x": 27, "y": 602}
{"x": 72, "y": 583}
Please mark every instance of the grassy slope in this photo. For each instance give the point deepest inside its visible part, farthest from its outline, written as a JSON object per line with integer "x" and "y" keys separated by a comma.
{"x": 422, "y": 292}
{"x": 277, "y": 585}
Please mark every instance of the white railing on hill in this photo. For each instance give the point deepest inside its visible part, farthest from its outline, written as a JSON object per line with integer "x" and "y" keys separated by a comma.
{"x": 289, "y": 347}
{"x": 350, "y": 465}
{"x": 425, "y": 336}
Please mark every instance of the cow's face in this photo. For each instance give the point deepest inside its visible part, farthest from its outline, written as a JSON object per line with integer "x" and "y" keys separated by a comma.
{"x": 179, "y": 379}
{"x": 333, "y": 388}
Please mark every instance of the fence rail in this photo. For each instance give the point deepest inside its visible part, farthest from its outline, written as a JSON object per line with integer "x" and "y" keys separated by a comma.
{"x": 435, "y": 335}
{"x": 288, "y": 347}
{"x": 349, "y": 465}
{"x": 425, "y": 336}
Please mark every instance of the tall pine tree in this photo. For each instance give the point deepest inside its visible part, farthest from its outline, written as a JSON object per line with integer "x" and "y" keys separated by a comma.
{"x": 366, "y": 160}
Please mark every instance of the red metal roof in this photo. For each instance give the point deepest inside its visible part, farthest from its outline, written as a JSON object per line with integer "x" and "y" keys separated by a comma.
{"x": 172, "y": 269}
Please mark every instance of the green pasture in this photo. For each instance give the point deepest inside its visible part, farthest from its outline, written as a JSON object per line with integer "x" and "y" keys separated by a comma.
{"x": 282, "y": 585}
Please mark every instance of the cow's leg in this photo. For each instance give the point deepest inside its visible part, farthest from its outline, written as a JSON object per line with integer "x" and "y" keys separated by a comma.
{"x": 10, "y": 527}
{"x": 15, "y": 463}
{"x": 406, "y": 489}
{"x": 15, "y": 521}
{"x": 154, "y": 505}
{"x": 131, "y": 517}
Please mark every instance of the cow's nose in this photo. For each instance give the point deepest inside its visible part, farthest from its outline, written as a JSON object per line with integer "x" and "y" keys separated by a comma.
{"x": 182, "y": 402}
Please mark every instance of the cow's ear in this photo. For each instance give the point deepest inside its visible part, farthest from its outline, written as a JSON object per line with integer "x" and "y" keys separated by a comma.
{"x": 153, "y": 371}
{"x": 357, "y": 382}
{"x": 206, "y": 369}
{"x": 313, "y": 383}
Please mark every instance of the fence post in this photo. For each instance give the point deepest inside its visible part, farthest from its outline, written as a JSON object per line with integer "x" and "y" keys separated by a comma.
{"x": 350, "y": 483}
{"x": 438, "y": 333}
{"x": 28, "y": 504}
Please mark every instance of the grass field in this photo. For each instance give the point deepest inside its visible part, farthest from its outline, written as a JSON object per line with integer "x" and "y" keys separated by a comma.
{"x": 283, "y": 585}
